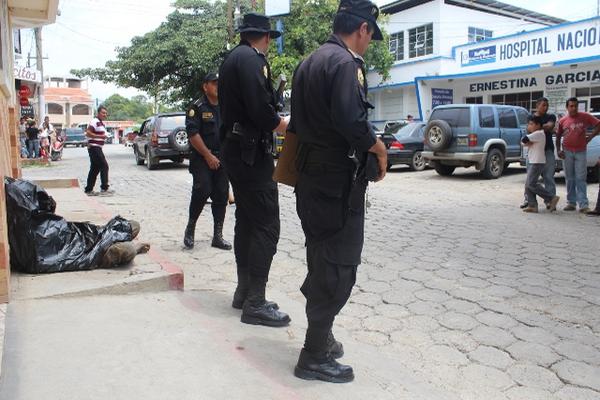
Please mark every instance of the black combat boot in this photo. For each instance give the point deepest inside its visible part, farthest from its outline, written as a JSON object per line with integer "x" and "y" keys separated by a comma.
{"x": 218, "y": 240}
{"x": 335, "y": 348}
{"x": 322, "y": 367}
{"x": 257, "y": 311}
{"x": 188, "y": 236}
{"x": 596, "y": 210}
{"x": 241, "y": 291}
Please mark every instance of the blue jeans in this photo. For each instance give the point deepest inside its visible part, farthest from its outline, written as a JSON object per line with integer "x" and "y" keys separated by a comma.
{"x": 34, "y": 148}
{"x": 24, "y": 152}
{"x": 576, "y": 173}
{"x": 547, "y": 173}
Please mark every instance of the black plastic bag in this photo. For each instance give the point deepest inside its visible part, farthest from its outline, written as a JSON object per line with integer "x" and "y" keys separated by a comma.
{"x": 41, "y": 241}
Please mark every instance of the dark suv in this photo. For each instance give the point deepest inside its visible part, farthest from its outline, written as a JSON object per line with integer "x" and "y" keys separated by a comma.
{"x": 486, "y": 136}
{"x": 162, "y": 136}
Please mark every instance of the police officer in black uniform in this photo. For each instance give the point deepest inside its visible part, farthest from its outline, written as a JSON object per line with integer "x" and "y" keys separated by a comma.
{"x": 202, "y": 123}
{"x": 248, "y": 107}
{"x": 329, "y": 115}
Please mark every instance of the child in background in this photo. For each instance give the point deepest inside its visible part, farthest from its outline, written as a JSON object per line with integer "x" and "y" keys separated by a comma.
{"x": 535, "y": 141}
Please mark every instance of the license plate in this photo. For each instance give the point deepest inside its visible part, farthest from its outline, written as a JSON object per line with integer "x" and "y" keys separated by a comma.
{"x": 163, "y": 140}
{"x": 462, "y": 141}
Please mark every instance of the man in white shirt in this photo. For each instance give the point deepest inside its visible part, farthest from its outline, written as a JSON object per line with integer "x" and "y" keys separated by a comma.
{"x": 536, "y": 155}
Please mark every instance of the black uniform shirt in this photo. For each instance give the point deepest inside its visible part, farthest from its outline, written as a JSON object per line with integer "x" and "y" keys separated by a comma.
{"x": 246, "y": 90}
{"x": 204, "y": 119}
{"x": 329, "y": 100}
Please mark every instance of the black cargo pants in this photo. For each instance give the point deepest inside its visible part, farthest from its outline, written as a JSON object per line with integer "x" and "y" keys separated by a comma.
{"x": 257, "y": 209}
{"x": 331, "y": 210}
{"x": 207, "y": 183}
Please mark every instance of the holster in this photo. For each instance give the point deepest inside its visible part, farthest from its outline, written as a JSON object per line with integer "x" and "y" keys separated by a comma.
{"x": 248, "y": 143}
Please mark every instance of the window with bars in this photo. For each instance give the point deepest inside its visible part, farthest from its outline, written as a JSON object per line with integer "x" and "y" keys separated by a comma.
{"x": 478, "y": 34}
{"x": 420, "y": 41}
{"x": 525, "y": 99}
{"x": 397, "y": 46}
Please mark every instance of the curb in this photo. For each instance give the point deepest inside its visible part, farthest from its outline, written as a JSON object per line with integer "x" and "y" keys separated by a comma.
{"x": 174, "y": 272}
{"x": 59, "y": 183}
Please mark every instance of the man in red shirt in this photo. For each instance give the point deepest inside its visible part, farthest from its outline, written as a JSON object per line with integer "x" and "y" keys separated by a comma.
{"x": 572, "y": 150}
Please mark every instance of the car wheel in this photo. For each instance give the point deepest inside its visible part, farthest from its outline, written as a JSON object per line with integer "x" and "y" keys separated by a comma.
{"x": 179, "y": 140}
{"x": 138, "y": 160}
{"x": 494, "y": 164}
{"x": 593, "y": 175}
{"x": 444, "y": 170}
{"x": 418, "y": 162}
{"x": 438, "y": 135}
{"x": 151, "y": 162}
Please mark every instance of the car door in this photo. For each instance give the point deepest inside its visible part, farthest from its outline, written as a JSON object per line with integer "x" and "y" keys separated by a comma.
{"x": 510, "y": 131}
{"x": 487, "y": 124}
{"x": 142, "y": 138}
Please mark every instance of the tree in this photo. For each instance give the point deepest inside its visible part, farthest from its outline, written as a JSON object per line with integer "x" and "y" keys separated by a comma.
{"x": 308, "y": 25}
{"x": 136, "y": 109}
{"x": 170, "y": 62}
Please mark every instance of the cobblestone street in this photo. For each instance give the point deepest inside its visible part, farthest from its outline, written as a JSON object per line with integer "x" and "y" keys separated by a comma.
{"x": 470, "y": 294}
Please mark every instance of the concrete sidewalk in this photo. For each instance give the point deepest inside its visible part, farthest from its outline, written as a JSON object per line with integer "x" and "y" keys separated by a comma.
{"x": 177, "y": 345}
{"x": 148, "y": 272}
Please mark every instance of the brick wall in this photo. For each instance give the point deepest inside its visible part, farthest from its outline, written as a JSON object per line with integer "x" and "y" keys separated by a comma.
{"x": 9, "y": 166}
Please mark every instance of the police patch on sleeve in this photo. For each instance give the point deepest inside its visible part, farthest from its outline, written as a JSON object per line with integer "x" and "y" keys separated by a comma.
{"x": 191, "y": 113}
{"x": 266, "y": 72}
{"x": 361, "y": 77}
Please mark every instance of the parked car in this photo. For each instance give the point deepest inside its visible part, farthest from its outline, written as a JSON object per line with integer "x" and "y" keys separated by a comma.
{"x": 75, "y": 137}
{"x": 486, "y": 136}
{"x": 162, "y": 136}
{"x": 592, "y": 157}
{"x": 405, "y": 145}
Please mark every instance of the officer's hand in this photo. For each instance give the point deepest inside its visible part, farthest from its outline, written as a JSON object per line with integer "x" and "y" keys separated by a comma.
{"x": 561, "y": 154}
{"x": 381, "y": 152}
{"x": 213, "y": 162}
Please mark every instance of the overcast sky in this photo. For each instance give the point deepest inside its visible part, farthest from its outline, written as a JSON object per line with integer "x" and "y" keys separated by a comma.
{"x": 87, "y": 31}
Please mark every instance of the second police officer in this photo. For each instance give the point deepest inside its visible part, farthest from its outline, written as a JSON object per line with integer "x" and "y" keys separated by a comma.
{"x": 248, "y": 107}
{"x": 202, "y": 123}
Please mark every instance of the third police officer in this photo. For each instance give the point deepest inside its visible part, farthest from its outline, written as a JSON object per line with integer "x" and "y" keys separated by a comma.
{"x": 338, "y": 153}
{"x": 248, "y": 108}
{"x": 202, "y": 124}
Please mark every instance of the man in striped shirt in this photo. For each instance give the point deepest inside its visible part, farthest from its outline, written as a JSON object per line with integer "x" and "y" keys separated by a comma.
{"x": 96, "y": 134}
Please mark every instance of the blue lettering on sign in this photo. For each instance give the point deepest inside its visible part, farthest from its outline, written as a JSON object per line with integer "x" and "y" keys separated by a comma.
{"x": 481, "y": 55}
{"x": 440, "y": 97}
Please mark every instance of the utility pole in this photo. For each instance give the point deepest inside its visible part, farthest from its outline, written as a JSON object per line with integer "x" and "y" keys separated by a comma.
{"x": 40, "y": 67}
{"x": 230, "y": 21}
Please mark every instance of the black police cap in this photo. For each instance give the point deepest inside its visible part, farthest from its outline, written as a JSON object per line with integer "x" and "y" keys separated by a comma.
{"x": 210, "y": 77}
{"x": 254, "y": 22}
{"x": 363, "y": 9}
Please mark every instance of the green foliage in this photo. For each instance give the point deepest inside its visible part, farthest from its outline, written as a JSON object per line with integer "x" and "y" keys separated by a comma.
{"x": 170, "y": 62}
{"x": 122, "y": 109}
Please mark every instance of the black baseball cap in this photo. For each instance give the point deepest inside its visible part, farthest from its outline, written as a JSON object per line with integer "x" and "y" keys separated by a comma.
{"x": 254, "y": 22}
{"x": 364, "y": 9}
{"x": 210, "y": 77}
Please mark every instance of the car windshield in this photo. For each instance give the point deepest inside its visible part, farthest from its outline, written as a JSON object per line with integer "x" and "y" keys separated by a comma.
{"x": 407, "y": 130}
{"x": 73, "y": 131}
{"x": 455, "y": 117}
{"x": 171, "y": 122}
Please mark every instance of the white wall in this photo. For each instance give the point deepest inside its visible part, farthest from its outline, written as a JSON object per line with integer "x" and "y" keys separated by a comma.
{"x": 457, "y": 20}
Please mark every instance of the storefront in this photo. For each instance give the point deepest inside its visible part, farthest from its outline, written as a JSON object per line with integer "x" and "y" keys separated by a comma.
{"x": 557, "y": 62}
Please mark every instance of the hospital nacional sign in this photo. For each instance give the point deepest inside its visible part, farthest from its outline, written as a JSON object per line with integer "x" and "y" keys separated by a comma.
{"x": 569, "y": 41}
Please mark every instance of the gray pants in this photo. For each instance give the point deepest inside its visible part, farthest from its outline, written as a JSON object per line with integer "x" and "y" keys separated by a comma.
{"x": 533, "y": 186}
